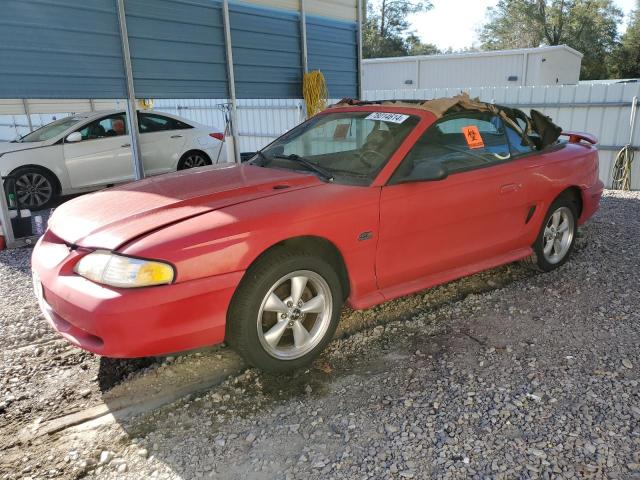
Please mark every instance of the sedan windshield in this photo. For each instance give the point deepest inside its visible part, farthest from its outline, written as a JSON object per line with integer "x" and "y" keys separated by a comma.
{"x": 50, "y": 130}
{"x": 345, "y": 147}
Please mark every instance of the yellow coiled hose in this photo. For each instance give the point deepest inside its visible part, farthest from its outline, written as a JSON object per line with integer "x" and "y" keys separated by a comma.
{"x": 314, "y": 91}
{"x": 621, "y": 178}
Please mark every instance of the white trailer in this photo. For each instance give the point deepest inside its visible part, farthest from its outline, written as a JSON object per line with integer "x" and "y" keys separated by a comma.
{"x": 557, "y": 65}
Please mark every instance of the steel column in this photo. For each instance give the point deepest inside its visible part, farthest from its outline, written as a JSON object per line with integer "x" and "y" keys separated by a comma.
{"x": 360, "y": 15}
{"x": 303, "y": 37}
{"x": 7, "y": 228}
{"x": 132, "y": 112}
{"x": 632, "y": 119}
{"x": 232, "y": 82}
{"x": 25, "y": 105}
{"x": 525, "y": 68}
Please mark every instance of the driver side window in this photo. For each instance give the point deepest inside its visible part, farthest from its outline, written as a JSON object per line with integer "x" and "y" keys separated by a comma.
{"x": 458, "y": 143}
{"x": 111, "y": 126}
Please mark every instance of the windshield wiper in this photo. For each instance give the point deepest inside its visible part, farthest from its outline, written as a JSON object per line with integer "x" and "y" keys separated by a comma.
{"x": 328, "y": 176}
{"x": 263, "y": 158}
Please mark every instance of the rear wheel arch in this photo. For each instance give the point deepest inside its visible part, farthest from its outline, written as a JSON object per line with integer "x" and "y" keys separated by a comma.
{"x": 574, "y": 193}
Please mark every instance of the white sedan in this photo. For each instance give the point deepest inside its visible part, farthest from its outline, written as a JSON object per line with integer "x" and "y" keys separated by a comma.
{"x": 88, "y": 151}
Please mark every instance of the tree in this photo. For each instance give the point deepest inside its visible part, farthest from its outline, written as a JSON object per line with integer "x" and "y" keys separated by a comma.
{"x": 386, "y": 30}
{"x": 626, "y": 61}
{"x": 589, "y": 26}
{"x": 414, "y": 46}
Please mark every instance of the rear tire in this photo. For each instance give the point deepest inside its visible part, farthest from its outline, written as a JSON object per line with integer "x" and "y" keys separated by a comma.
{"x": 193, "y": 159}
{"x": 36, "y": 188}
{"x": 285, "y": 311}
{"x": 557, "y": 236}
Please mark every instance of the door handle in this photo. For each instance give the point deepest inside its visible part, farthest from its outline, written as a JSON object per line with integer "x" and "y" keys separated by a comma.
{"x": 126, "y": 145}
{"x": 510, "y": 187}
{"x": 176, "y": 136}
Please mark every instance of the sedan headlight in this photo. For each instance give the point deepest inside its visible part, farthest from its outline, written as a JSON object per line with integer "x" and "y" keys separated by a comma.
{"x": 119, "y": 271}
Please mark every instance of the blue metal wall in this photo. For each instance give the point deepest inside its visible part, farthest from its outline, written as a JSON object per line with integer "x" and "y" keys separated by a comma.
{"x": 71, "y": 49}
{"x": 266, "y": 52}
{"x": 60, "y": 49}
{"x": 332, "y": 47}
{"x": 177, "y": 48}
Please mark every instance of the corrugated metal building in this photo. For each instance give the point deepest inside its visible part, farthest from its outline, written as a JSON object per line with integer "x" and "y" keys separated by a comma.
{"x": 71, "y": 48}
{"x": 223, "y": 50}
{"x": 557, "y": 65}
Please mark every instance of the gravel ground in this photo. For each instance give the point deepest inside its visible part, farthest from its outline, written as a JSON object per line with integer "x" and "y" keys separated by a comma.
{"x": 505, "y": 374}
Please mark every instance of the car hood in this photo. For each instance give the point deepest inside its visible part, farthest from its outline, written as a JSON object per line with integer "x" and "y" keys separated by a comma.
{"x": 112, "y": 217}
{"x": 15, "y": 146}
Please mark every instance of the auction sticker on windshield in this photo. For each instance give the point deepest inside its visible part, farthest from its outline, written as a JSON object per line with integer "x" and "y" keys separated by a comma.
{"x": 388, "y": 117}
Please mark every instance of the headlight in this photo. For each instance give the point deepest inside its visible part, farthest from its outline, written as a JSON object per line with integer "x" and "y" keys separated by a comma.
{"x": 123, "y": 272}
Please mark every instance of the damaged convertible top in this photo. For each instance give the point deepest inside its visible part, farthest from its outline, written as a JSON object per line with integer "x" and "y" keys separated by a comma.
{"x": 536, "y": 129}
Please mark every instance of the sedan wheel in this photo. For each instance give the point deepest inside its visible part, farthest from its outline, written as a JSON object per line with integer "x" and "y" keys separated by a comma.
{"x": 558, "y": 235}
{"x": 295, "y": 315}
{"x": 193, "y": 160}
{"x": 34, "y": 190}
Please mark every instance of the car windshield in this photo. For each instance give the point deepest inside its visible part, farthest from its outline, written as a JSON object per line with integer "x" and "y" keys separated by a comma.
{"x": 347, "y": 147}
{"x": 50, "y": 130}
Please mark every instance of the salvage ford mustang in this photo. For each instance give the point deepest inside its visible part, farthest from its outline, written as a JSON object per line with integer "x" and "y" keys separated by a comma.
{"x": 363, "y": 203}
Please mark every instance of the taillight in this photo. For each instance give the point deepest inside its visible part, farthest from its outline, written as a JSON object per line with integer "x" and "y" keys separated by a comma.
{"x": 217, "y": 136}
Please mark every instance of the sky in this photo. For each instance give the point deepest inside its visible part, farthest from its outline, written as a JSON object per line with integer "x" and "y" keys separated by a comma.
{"x": 435, "y": 27}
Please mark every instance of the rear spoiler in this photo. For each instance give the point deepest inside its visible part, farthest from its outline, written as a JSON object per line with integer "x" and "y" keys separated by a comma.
{"x": 577, "y": 137}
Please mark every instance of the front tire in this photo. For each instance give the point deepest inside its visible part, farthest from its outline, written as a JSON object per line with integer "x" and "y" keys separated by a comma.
{"x": 193, "y": 159}
{"x": 36, "y": 189}
{"x": 285, "y": 310}
{"x": 557, "y": 236}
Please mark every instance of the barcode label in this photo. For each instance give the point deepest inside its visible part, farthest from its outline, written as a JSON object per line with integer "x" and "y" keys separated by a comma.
{"x": 388, "y": 117}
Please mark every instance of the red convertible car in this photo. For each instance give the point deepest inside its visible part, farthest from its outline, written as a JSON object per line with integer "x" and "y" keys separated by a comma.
{"x": 362, "y": 203}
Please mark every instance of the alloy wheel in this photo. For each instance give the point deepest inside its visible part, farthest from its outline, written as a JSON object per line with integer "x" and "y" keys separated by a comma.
{"x": 295, "y": 315}
{"x": 558, "y": 235}
{"x": 194, "y": 160}
{"x": 33, "y": 190}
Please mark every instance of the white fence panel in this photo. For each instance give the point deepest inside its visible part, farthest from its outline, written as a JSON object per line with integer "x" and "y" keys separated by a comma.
{"x": 600, "y": 109}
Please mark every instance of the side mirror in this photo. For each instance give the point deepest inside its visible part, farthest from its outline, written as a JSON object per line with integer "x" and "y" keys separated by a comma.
{"x": 426, "y": 172}
{"x": 74, "y": 137}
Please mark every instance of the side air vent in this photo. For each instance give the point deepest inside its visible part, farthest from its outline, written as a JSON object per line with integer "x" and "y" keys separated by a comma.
{"x": 281, "y": 187}
{"x": 532, "y": 210}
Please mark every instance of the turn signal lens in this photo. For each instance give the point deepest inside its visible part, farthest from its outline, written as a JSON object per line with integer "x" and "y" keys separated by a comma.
{"x": 123, "y": 272}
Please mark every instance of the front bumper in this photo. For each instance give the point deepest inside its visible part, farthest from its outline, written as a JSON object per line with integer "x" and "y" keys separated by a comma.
{"x": 125, "y": 323}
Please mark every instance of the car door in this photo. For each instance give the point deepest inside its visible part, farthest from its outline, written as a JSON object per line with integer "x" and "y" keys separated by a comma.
{"x": 102, "y": 156}
{"x": 475, "y": 214}
{"x": 161, "y": 141}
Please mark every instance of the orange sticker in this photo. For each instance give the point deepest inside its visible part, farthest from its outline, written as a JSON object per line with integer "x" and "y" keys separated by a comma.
{"x": 473, "y": 137}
